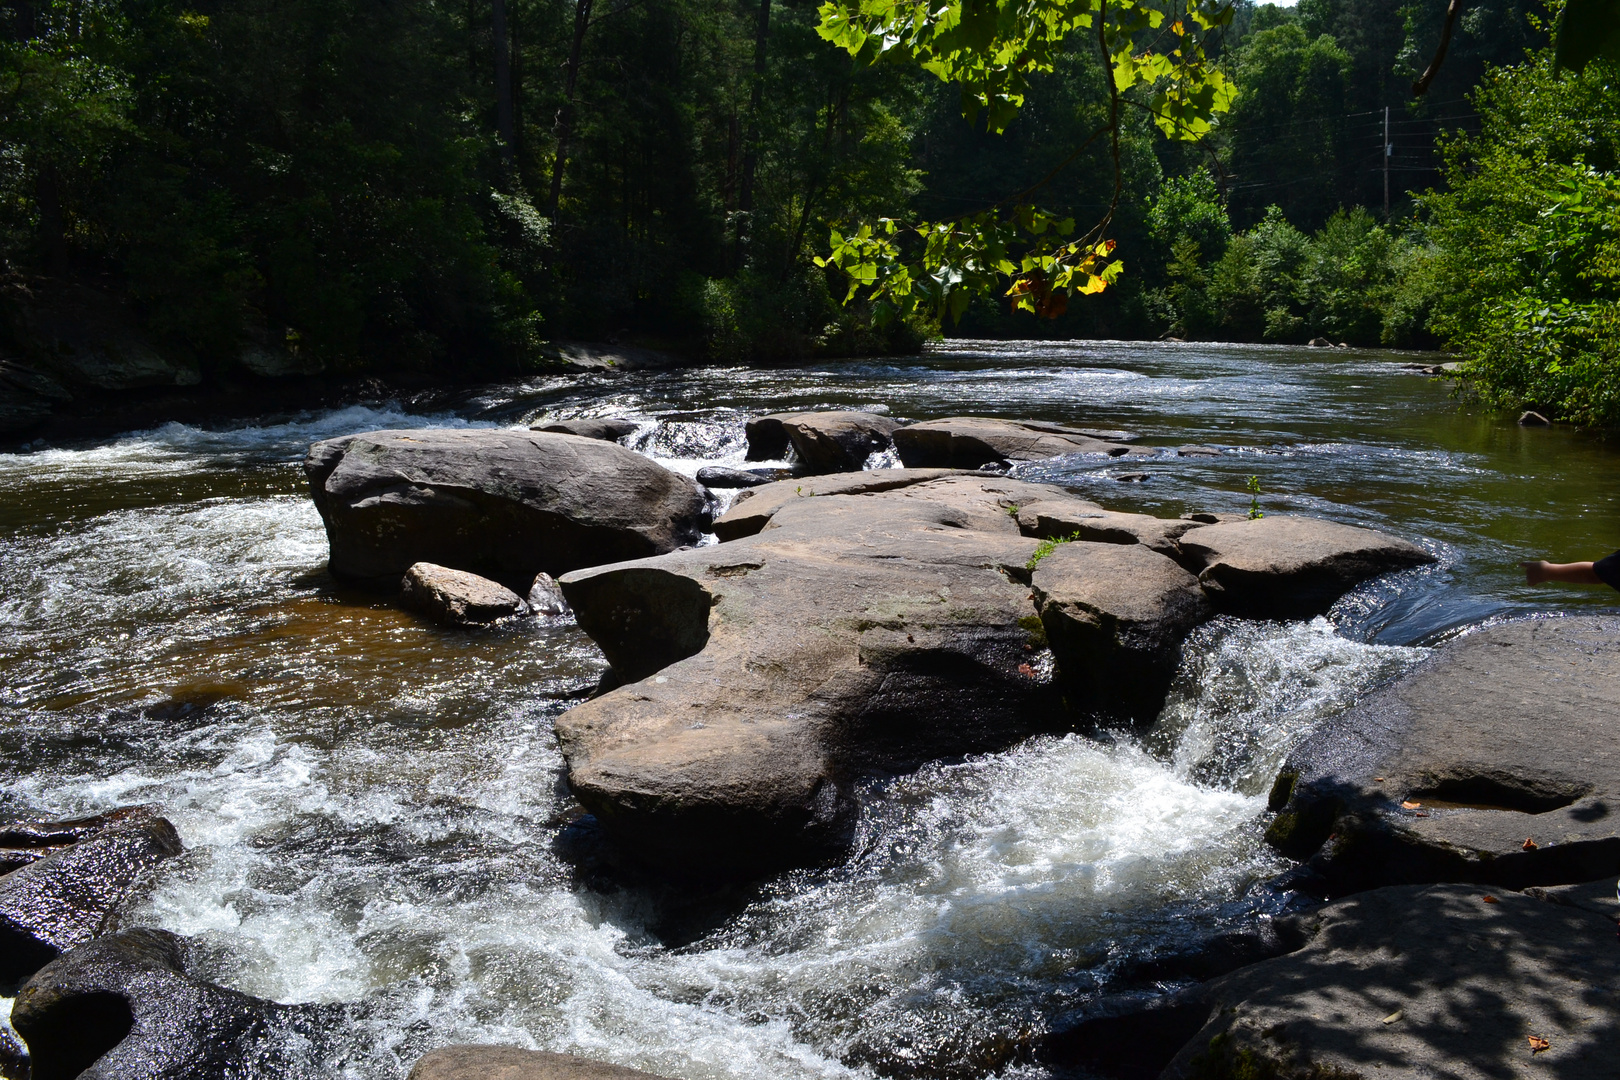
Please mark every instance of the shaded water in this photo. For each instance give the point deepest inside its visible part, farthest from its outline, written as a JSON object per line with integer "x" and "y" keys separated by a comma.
{"x": 372, "y": 807}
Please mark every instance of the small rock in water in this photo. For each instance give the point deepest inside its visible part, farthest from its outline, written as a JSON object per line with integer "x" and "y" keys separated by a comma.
{"x": 607, "y": 428}
{"x": 457, "y": 598}
{"x": 1198, "y": 451}
{"x": 1533, "y": 419}
{"x": 545, "y": 596}
{"x": 1134, "y": 477}
{"x": 719, "y": 476}
{"x": 512, "y": 1063}
{"x": 1321, "y": 343}
{"x": 64, "y": 897}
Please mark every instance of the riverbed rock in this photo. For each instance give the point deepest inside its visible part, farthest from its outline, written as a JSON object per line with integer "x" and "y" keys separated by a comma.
{"x": 1495, "y": 761}
{"x": 606, "y": 428}
{"x": 1411, "y": 983}
{"x": 767, "y": 438}
{"x": 1115, "y": 616}
{"x": 457, "y": 598}
{"x": 123, "y": 1007}
{"x": 967, "y": 442}
{"x": 545, "y": 596}
{"x": 752, "y": 510}
{"x": 505, "y": 505}
{"x": 719, "y": 476}
{"x": 1286, "y": 567}
{"x": 512, "y": 1063}
{"x": 859, "y": 633}
{"x": 1062, "y": 520}
{"x": 66, "y": 897}
{"x": 832, "y": 442}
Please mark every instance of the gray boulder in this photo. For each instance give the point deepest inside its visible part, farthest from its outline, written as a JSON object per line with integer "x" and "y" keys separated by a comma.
{"x": 752, "y": 510}
{"x": 511, "y": 1063}
{"x": 967, "y": 442}
{"x": 1285, "y": 567}
{"x": 608, "y": 429}
{"x": 767, "y": 438}
{"x": 1115, "y": 616}
{"x": 1492, "y": 762}
{"x": 1415, "y": 983}
{"x": 545, "y": 596}
{"x": 124, "y": 1008}
{"x": 769, "y": 672}
{"x": 457, "y": 598}
{"x": 831, "y": 442}
{"x": 505, "y": 505}
{"x": 856, "y": 633}
{"x": 719, "y": 476}
{"x": 65, "y": 897}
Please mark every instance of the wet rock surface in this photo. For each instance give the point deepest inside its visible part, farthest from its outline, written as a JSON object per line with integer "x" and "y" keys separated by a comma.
{"x": 1420, "y": 982}
{"x": 830, "y": 442}
{"x": 857, "y": 633}
{"x": 545, "y": 596}
{"x": 752, "y": 510}
{"x": 1115, "y": 616}
{"x": 457, "y": 598}
{"x": 608, "y": 429}
{"x": 967, "y": 442}
{"x": 65, "y": 896}
{"x": 1285, "y": 567}
{"x": 504, "y": 505}
{"x": 1495, "y": 761}
{"x": 512, "y": 1063}
{"x": 123, "y": 1007}
{"x": 719, "y": 476}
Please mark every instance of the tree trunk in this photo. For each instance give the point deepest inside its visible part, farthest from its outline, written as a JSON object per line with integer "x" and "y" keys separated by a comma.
{"x": 503, "y": 81}
{"x": 565, "y": 115}
{"x": 756, "y": 96}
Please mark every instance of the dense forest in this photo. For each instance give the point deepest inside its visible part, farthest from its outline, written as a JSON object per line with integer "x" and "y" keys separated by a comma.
{"x": 417, "y": 185}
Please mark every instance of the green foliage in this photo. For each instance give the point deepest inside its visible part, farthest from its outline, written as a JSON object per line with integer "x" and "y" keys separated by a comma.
{"x": 1528, "y": 240}
{"x": 1046, "y": 547}
{"x": 1253, "y": 488}
{"x": 991, "y": 51}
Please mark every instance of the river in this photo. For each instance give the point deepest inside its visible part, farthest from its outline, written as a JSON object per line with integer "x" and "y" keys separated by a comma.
{"x": 374, "y": 810}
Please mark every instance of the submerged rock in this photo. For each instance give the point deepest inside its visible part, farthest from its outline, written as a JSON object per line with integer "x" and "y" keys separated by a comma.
{"x": 1414, "y": 982}
{"x": 1285, "y": 567}
{"x": 65, "y": 897}
{"x": 967, "y": 442}
{"x": 124, "y": 1008}
{"x": 1493, "y": 762}
{"x": 502, "y": 504}
{"x": 1115, "y": 617}
{"x": 512, "y": 1063}
{"x": 606, "y": 428}
{"x": 857, "y": 633}
{"x": 457, "y": 598}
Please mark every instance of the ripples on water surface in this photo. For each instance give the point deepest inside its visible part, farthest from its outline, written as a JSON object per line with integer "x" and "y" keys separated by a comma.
{"x": 372, "y": 807}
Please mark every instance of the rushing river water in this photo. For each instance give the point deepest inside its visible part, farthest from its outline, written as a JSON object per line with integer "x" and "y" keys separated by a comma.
{"x": 374, "y": 811}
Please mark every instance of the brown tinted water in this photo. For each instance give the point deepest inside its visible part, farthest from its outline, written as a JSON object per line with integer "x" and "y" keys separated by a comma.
{"x": 373, "y": 807}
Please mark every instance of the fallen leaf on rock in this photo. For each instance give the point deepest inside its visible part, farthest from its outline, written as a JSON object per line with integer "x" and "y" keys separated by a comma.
{"x": 1529, "y": 845}
{"x": 1025, "y": 669}
{"x": 1490, "y": 900}
{"x": 1538, "y": 1044}
{"x": 1378, "y": 779}
{"x": 1410, "y": 805}
{"x": 1392, "y": 1017}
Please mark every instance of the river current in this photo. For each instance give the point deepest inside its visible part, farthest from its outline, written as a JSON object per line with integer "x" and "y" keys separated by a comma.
{"x": 374, "y": 811}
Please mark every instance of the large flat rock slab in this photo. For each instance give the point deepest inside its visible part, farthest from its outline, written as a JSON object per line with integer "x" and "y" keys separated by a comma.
{"x": 858, "y": 633}
{"x": 1287, "y": 567}
{"x": 967, "y": 442}
{"x": 1419, "y": 983}
{"x": 1495, "y": 761}
{"x": 505, "y": 505}
{"x": 753, "y": 509}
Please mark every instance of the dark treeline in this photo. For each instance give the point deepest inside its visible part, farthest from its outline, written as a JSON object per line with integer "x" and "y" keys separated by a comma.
{"x": 411, "y": 185}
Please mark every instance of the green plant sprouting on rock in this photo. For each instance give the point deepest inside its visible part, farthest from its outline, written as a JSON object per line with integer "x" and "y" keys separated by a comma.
{"x": 1046, "y": 547}
{"x": 1253, "y": 487}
